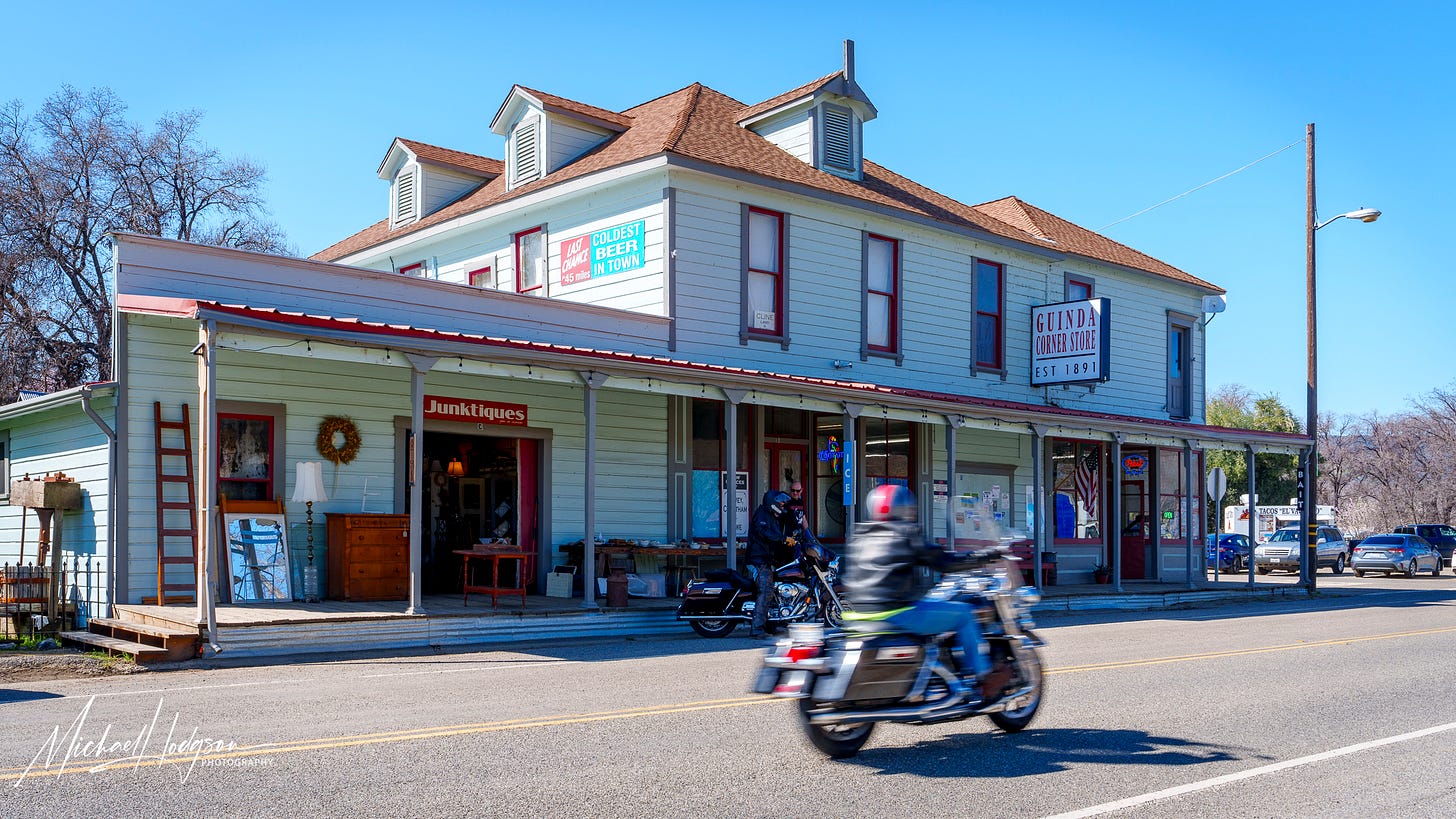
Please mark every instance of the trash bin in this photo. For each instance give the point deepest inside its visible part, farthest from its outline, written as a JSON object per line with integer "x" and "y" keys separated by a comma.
{"x": 617, "y": 588}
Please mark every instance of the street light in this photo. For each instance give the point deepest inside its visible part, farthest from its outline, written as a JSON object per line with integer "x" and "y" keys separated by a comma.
{"x": 1310, "y": 516}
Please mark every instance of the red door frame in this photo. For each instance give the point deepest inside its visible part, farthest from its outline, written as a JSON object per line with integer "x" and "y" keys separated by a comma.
{"x": 806, "y": 474}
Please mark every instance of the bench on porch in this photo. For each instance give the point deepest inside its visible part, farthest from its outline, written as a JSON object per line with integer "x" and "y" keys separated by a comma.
{"x": 1026, "y": 553}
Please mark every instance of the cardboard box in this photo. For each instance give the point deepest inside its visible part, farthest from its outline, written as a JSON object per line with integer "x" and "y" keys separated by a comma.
{"x": 559, "y": 580}
{"x": 639, "y": 585}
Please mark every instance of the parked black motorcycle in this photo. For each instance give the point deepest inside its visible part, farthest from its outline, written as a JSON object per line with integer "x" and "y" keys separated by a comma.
{"x": 849, "y": 680}
{"x": 805, "y": 588}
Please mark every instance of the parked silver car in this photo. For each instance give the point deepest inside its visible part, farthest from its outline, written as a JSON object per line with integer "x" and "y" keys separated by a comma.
{"x": 1396, "y": 553}
{"x": 1282, "y": 550}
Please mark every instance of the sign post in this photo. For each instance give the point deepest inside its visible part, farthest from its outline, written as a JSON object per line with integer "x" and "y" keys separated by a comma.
{"x": 1217, "y": 483}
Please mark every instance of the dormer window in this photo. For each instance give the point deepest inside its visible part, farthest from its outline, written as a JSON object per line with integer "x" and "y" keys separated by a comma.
{"x": 406, "y": 205}
{"x": 836, "y": 139}
{"x": 525, "y": 153}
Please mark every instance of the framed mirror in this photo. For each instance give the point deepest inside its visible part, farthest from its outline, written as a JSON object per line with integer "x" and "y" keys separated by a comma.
{"x": 257, "y": 557}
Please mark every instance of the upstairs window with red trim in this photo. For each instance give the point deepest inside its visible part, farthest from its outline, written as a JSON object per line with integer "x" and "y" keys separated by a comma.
{"x": 531, "y": 261}
{"x": 417, "y": 269}
{"x": 882, "y": 294}
{"x": 480, "y": 277}
{"x": 1078, "y": 288}
{"x": 990, "y": 315}
{"x": 765, "y": 272}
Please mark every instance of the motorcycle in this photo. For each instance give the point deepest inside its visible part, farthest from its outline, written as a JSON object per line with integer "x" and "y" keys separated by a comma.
{"x": 848, "y": 681}
{"x": 805, "y": 587}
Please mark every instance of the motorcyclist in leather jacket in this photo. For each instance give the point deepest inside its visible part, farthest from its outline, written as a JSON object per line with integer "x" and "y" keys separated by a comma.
{"x": 766, "y": 533}
{"x": 884, "y": 583}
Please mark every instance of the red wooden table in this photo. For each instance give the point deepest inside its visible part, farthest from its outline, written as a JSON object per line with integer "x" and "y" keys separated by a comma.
{"x": 494, "y": 555}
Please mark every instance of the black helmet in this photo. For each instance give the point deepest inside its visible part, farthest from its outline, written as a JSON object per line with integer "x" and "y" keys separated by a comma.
{"x": 776, "y": 501}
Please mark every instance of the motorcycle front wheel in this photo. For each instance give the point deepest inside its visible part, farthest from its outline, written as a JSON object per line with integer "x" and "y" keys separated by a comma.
{"x": 838, "y": 741}
{"x": 714, "y": 628}
{"x": 834, "y": 613}
{"x": 1013, "y": 721}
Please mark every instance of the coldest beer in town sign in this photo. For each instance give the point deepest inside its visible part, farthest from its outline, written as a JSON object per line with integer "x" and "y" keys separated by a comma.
{"x": 603, "y": 252}
{"x": 1069, "y": 342}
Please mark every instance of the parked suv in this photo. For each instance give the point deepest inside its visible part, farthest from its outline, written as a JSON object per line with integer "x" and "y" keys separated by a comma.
{"x": 1439, "y": 535}
{"x": 1282, "y": 550}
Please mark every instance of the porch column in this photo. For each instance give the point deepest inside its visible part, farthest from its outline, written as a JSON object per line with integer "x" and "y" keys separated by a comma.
{"x": 728, "y": 521}
{"x": 419, "y": 365}
{"x": 951, "y": 421}
{"x": 1252, "y": 509}
{"x": 1114, "y": 507}
{"x": 593, "y": 382}
{"x": 1188, "y": 527}
{"x": 207, "y": 459}
{"x": 1038, "y": 491}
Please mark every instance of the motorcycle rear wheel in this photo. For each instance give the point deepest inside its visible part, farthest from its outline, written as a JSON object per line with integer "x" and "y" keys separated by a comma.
{"x": 714, "y": 628}
{"x": 1013, "y": 721}
{"x": 838, "y": 741}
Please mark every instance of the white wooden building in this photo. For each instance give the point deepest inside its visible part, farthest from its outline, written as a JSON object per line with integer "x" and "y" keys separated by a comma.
{"x": 633, "y": 304}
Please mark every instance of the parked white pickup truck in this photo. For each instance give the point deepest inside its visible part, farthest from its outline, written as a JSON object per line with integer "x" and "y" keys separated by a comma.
{"x": 1282, "y": 550}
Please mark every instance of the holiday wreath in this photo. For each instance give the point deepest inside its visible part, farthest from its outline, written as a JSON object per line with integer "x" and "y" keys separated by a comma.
{"x": 331, "y": 426}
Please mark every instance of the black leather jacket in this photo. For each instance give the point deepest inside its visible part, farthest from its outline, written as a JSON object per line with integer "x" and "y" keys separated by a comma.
{"x": 883, "y": 558}
{"x": 765, "y": 537}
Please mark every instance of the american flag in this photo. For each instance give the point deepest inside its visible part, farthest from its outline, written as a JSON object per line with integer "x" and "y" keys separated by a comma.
{"x": 1085, "y": 477}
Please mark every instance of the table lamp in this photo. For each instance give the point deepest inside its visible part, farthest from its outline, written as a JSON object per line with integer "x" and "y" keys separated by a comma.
{"x": 308, "y": 489}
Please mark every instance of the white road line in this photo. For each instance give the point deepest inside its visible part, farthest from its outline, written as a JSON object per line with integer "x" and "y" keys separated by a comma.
{"x": 1193, "y": 787}
{"x": 529, "y": 664}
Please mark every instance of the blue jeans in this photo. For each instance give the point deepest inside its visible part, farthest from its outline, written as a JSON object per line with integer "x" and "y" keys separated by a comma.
{"x": 931, "y": 617}
{"x": 763, "y": 578}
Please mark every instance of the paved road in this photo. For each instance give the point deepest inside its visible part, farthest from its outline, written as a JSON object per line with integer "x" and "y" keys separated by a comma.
{"x": 1335, "y": 706}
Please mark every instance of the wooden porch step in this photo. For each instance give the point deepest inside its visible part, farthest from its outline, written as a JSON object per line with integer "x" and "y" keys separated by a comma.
{"x": 180, "y": 642}
{"x": 111, "y": 645}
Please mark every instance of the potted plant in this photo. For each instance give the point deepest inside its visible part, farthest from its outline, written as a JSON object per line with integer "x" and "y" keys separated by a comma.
{"x": 1102, "y": 573}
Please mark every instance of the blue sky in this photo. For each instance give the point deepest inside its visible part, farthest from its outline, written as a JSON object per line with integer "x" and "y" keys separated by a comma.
{"x": 1092, "y": 111}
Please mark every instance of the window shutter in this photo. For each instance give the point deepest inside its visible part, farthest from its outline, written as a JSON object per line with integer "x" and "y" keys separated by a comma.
{"x": 838, "y": 146}
{"x": 527, "y": 168}
{"x": 404, "y": 197}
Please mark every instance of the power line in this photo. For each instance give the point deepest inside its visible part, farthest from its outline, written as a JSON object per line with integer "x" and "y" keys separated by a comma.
{"x": 1204, "y": 185}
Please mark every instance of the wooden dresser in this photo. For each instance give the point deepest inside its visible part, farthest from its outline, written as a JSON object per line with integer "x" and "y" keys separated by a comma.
{"x": 368, "y": 556}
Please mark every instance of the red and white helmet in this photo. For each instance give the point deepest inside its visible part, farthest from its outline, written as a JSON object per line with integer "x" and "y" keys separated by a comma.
{"x": 892, "y": 502}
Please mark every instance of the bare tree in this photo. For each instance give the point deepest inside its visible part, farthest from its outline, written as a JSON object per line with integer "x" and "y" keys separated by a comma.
{"x": 71, "y": 174}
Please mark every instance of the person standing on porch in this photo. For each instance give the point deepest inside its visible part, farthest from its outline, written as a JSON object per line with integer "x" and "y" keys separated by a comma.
{"x": 765, "y": 537}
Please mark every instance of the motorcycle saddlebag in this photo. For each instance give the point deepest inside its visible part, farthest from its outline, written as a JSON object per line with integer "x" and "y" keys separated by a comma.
{"x": 887, "y": 667}
{"x": 706, "y": 598}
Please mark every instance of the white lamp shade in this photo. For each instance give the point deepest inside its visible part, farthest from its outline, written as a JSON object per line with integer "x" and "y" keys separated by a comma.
{"x": 308, "y": 486}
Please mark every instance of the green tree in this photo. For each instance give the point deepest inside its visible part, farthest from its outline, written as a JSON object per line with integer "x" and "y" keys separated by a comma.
{"x": 1235, "y": 407}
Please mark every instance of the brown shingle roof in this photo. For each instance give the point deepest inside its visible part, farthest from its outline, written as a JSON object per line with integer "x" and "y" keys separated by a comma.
{"x": 787, "y": 97}
{"x": 1081, "y": 241}
{"x": 482, "y": 165}
{"x": 580, "y": 108}
{"x": 699, "y": 123}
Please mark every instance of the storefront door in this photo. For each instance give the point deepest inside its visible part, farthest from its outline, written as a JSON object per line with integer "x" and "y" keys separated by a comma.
{"x": 1135, "y": 529}
{"x": 1136, "y": 473}
{"x": 787, "y": 465}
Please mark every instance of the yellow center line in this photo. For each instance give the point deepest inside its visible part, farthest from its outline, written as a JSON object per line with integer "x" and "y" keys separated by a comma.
{"x": 434, "y": 732}
{"x": 382, "y": 737}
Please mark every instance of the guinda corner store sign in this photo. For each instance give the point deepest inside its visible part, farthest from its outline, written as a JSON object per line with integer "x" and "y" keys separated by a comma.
{"x": 616, "y": 249}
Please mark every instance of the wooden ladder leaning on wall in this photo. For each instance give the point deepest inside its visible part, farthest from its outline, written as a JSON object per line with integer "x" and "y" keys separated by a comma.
{"x": 171, "y": 523}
